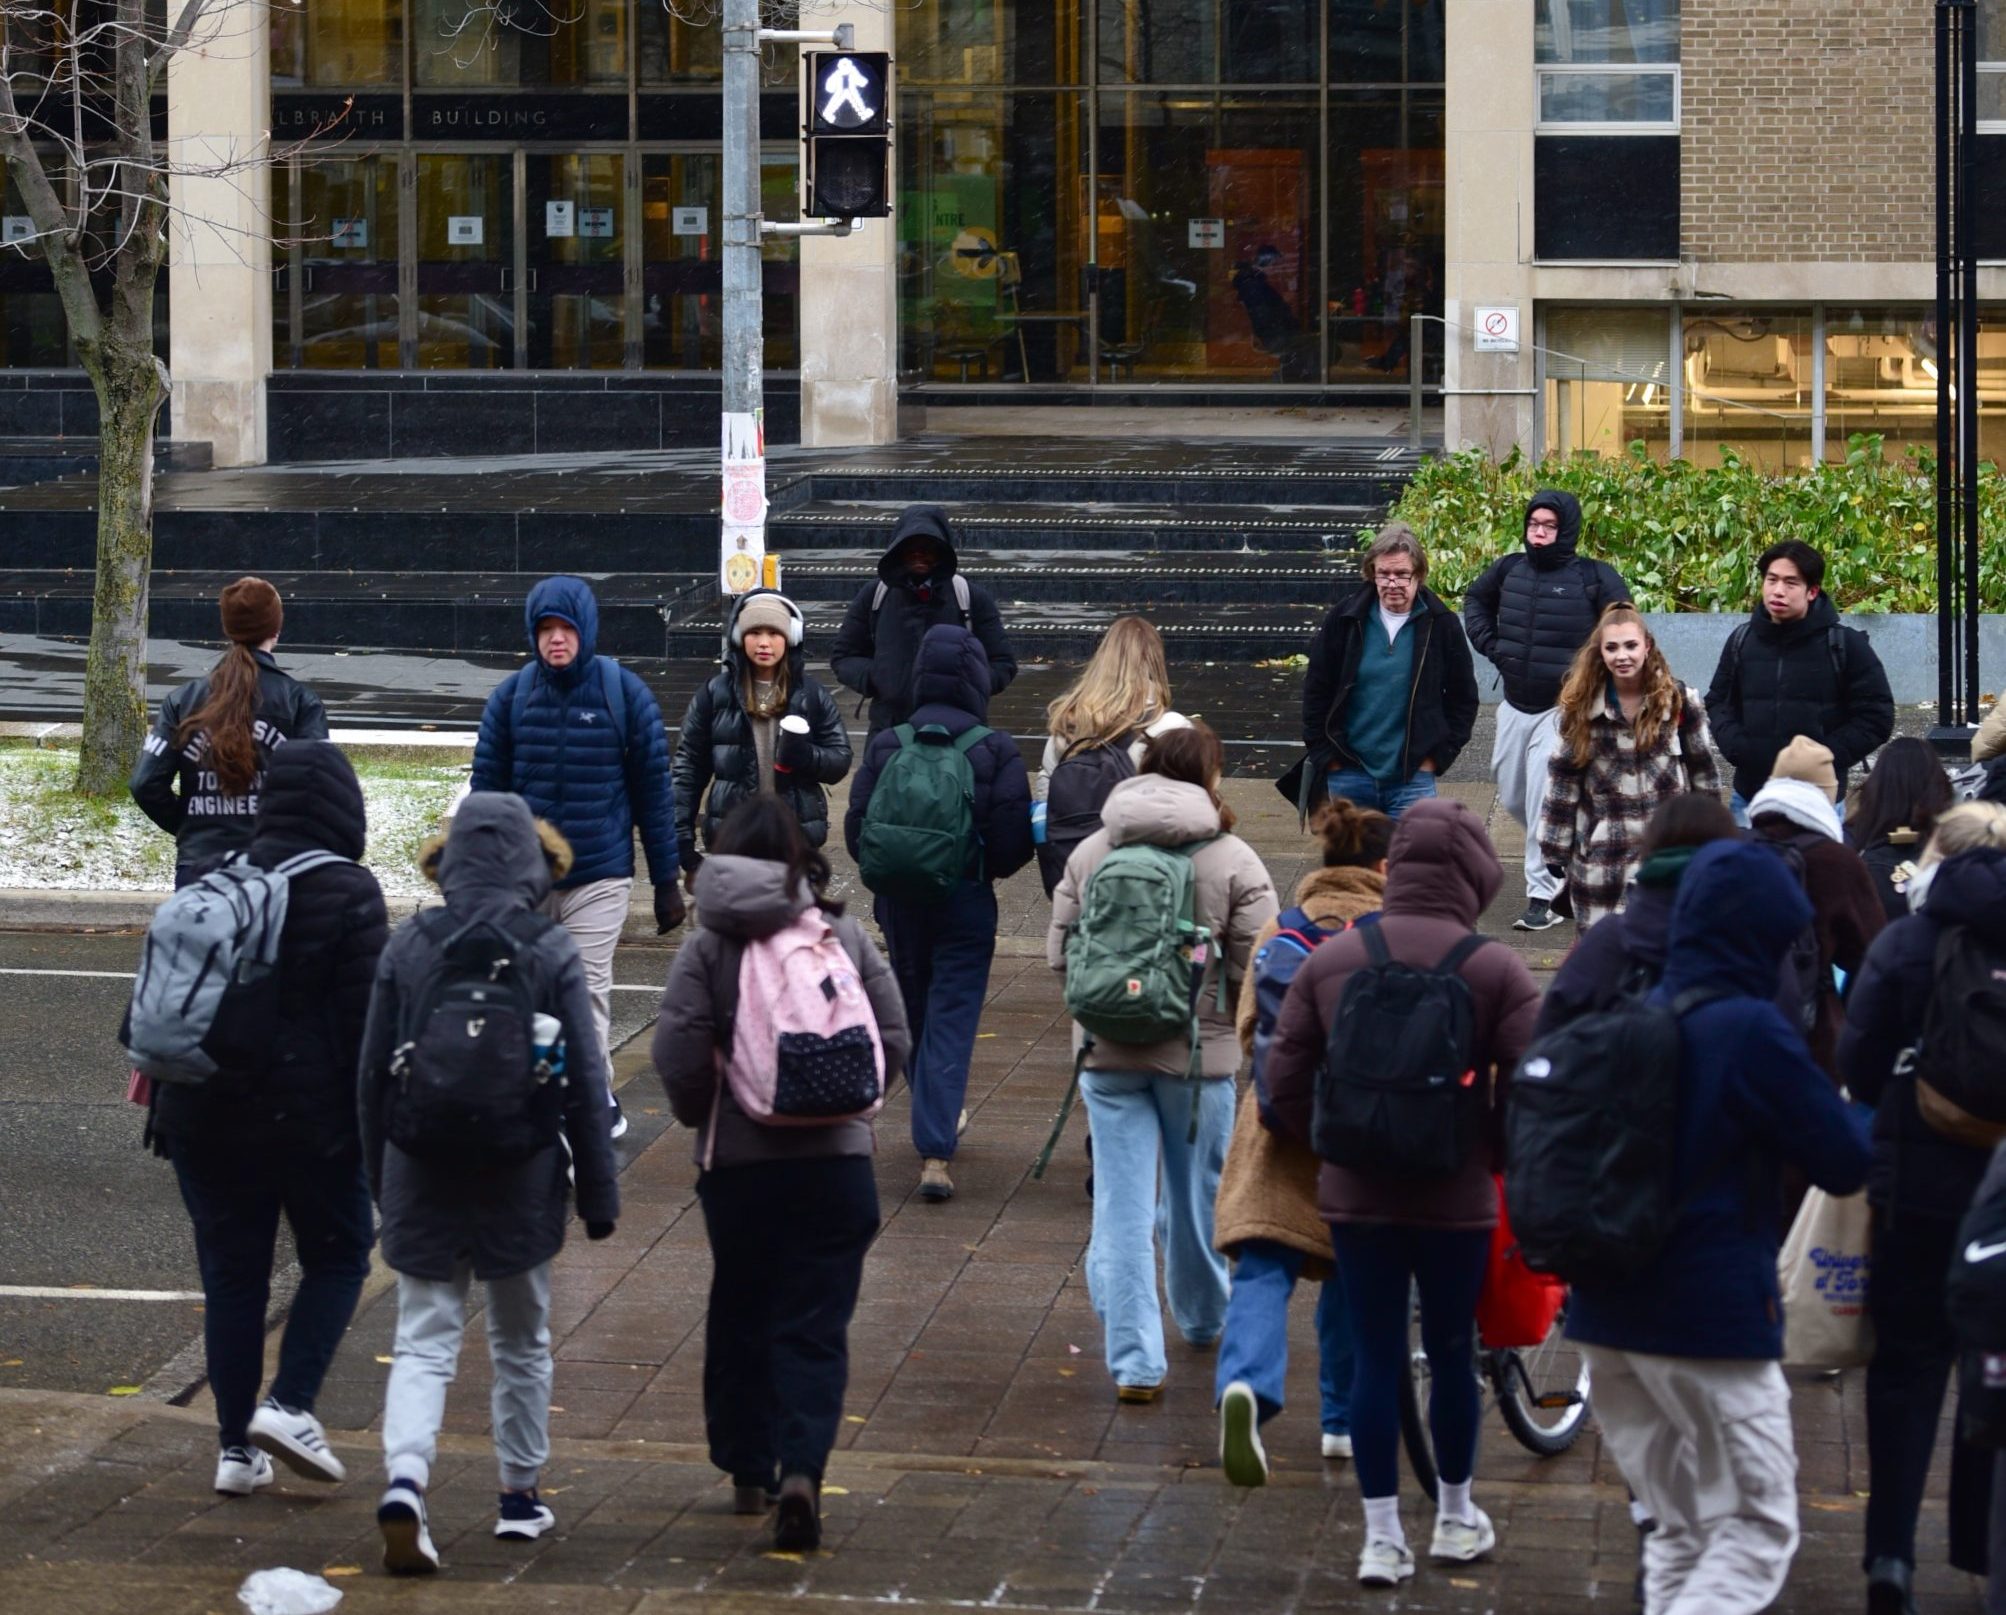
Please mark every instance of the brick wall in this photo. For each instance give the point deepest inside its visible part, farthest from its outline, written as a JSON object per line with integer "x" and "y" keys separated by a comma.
{"x": 1809, "y": 131}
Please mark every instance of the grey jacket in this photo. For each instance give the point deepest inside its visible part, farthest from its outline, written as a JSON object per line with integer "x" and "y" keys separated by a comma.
{"x": 1233, "y": 895}
{"x": 740, "y": 900}
{"x": 505, "y": 1220}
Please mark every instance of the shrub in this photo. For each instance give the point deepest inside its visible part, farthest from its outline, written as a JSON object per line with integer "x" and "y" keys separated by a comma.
{"x": 1686, "y": 538}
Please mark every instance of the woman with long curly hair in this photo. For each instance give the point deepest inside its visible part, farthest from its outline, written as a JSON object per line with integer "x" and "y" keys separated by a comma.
{"x": 216, "y": 733}
{"x": 1631, "y": 736}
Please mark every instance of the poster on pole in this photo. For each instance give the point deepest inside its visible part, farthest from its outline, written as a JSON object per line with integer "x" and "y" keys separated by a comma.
{"x": 742, "y": 533}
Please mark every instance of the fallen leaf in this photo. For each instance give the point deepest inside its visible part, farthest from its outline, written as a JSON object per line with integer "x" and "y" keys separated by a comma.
{"x": 835, "y": 1491}
{"x": 979, "y": 1036}
{"x": 11, "y": 1362}
{"x": 1464, "y": 1583}
{"x": 853, "y": 1418}
{"x": 124, "y": 1390}
{"x": 341, "y": 1570}
{"x": 785, "y": 1558}
{"x": 1067, "y": 1373}
{"x": 554, "y": 1408}
{"x": 383, "y": 1359}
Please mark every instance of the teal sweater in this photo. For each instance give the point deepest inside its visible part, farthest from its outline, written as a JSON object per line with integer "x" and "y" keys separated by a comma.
{"x": 1375, "y": 716}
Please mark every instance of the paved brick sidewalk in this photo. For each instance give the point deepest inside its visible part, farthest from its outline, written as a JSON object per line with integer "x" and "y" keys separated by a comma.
{"x": 984, "y": 1460}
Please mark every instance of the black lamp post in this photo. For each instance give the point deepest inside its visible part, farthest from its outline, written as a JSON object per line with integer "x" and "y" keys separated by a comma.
{"x": 1957, "y": 535}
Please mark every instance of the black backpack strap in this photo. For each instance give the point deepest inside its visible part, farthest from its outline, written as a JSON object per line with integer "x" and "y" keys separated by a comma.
{"x": 724, "y": 999}
{"x": 1837, "y": 649}
{"x": 1735, "y": 641}
{"x": 1694, "y": 997}
{"x": 1458, "y": 956}
{"x": 1376, "y": 950}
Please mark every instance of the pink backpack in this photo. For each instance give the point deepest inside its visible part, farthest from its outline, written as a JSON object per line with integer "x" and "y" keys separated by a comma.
{"x": 804, "y": 1049}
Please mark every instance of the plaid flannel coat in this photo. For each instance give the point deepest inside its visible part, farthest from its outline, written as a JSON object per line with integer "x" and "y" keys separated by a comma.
{"x": 1595, "y": 815}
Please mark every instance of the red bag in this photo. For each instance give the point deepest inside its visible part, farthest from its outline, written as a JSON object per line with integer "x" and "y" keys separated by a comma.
{"x": 1517, "y": 1306}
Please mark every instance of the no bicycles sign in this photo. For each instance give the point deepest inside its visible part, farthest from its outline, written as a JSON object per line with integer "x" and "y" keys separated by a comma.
{"x": 1496, "y": 330}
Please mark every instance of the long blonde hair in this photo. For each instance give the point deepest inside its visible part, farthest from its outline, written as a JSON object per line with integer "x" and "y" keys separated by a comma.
{"x": 1581, "y": 692}
{"x": 1124, "y": 688}
{"x": 1965, "y": 828}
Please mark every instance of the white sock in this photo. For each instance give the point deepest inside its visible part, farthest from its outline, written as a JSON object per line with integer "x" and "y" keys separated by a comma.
{"x": 1382, "y": 1521}
{"x": 1454, "y": 1504}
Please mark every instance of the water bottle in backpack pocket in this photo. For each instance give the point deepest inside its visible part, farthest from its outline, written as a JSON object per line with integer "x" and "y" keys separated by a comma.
{"x": 1398, "y": 1094}
{"x": 467, "y": 1085}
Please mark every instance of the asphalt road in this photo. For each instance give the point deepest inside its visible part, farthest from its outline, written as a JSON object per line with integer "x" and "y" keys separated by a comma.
{"x": 83, "y": 1207}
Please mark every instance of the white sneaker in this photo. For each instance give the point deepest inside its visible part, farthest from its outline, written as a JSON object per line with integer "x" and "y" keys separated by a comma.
{"x": 1460, "y": 1542}
{"x": 407, "y": 1534}
{"x": 1241, "y": 1454}
{"x": 1385, "y": 1564}
{"x": 619, "y": 1126}
{"x": 297, "y": 1440}
{"x": 240, "y": 1471}
{"x": 523, "y": 1516}
{"x": 1336, "y": 1446}
{"x": 961, "y": 1124}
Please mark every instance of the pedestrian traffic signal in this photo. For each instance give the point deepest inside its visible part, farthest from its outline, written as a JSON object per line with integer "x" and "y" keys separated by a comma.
{"x": 848, "y": 136}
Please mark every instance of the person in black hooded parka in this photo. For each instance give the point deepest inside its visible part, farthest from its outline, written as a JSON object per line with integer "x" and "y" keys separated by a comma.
{"x": 250, "y": 1145}
{"x": 1529, "y": 613}
{"x": 919, "y": 587}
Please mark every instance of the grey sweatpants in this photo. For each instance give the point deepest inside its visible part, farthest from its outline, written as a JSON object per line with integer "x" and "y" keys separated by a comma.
{"x": 1525, "y": 740}
{"x": 594, "y": 915}
{"x": 431, "y": 1318}
{"x": 1706, "y": 1446}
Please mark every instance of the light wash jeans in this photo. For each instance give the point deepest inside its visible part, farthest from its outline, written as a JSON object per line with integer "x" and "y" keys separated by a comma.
{"x": 594, "y": 915}
{"x": 431, "y": 1318}
{"x": 1355, "y": 785}
{"x": 1141, "y": 1125}
{"x": 1255, "y": 1345}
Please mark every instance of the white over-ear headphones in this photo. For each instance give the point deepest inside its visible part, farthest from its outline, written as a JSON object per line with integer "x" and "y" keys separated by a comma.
{"x": 795, "y": 620}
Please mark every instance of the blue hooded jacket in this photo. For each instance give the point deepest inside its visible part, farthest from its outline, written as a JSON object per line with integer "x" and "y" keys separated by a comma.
{"x": 951, "y": 682}
{"x": 1750, "y": 1099}
{"x": 563, "y": 754}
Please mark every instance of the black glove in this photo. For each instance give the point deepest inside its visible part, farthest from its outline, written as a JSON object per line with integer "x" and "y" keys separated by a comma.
{"x": 795, "y": 754}
{"x": 668, "y": 908}
{"x": 598, "y": 1230}
{"x": 692, "y": 862}
{"x": 1557, "y": 871}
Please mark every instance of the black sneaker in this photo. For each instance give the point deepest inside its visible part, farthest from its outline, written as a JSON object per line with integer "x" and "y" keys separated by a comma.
{"x": 797, "y": 1517}
{"x": 523, "y": 1516}
{"x": 1538, "y": 916}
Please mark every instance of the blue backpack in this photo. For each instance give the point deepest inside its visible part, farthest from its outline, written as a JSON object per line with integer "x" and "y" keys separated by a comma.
{"x": 1275, "y": 966}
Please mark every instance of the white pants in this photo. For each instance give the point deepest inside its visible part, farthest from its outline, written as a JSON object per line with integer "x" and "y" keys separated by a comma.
{"x": 431, "y": 1319}
{"x": 1518, "y": 763}
{"x": 1706, "y": 1446}
{"x": 595, "y": 914}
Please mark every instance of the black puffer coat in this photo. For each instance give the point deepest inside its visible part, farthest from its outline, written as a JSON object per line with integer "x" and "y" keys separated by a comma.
{"x": 1784, "y": 683}
{"x": 715, "y": 749}
{"x": 304, "y": 1099}
{"x": 173, "y": 789}
{"x": 876, "y": 652}
{"x": 1529, "y": 613}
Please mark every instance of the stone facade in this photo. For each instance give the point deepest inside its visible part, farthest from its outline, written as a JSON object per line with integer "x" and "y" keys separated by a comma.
{"x": 1808, "y": 131}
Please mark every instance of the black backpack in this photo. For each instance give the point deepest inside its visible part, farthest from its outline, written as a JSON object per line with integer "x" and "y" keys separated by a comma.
{"x": 1074, "y": 796}
{"x": 1960, "y": 1064}
{"x": 1397, "y": 1095}
{"x": 1975, "y": 1295}
{"x": 1591, "y": 1129}
{"x": 1807, "y": 969}
{"x": 466, "y": 1085}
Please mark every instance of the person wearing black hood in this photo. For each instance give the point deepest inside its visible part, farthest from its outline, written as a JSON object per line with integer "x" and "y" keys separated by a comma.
{"x": 920, "y": 586}
{"x": 1529, "y": 613}
{"x": 1794, "y": 669}
{"x": 248, "y": 1146}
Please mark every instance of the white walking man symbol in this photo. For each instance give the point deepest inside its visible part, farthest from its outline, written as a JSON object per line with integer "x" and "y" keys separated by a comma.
{"x": 845, "y": 86}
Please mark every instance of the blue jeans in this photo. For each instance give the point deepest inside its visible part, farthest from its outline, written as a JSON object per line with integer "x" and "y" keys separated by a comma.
{"x": 940, "y": 955}
{"x": 1379, "y": 1264}
{"x": 1357, "y": 786}
{"x": 1255, "y": 1346}
{"x": 1141, "y": 1121}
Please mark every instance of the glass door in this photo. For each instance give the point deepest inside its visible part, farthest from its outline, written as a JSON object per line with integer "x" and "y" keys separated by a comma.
{"x": 337, "y": 307}
{"x": 466, "y": 281}
{"x": 574, "y": 270}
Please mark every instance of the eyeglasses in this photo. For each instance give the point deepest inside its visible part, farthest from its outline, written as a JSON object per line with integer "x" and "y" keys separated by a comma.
{"x": 1542, "y": 527}
{"x": 1394, "y": 577}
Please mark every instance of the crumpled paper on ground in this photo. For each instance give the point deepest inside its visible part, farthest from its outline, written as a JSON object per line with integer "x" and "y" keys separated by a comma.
{"x": 287, "y": 1592}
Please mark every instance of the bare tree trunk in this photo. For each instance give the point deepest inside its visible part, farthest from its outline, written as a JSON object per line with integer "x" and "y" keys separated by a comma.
{"x": 127, "y": 378}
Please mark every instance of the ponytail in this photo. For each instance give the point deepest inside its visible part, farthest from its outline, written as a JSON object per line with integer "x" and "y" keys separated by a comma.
{"x": 226, "y": 717}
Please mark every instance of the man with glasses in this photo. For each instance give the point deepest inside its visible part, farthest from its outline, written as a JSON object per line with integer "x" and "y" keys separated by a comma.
{"x": 1529, "y": 613}
{"x": 1391, "y": 693}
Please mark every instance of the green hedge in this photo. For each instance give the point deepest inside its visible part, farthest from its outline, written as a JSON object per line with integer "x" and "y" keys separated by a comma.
{"x": 1686, "y": 538}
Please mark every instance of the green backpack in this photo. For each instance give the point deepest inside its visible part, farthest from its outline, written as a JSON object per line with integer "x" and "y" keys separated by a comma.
{"x": 919, "y": 827}
{"x": 1134, "y": 959}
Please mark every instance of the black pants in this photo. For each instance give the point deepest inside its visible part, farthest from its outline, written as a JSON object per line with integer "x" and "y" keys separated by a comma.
{"x": 787, "y": 1242}
{"x": 1914, "y": 1353}
{"x": 235, "y": 1198}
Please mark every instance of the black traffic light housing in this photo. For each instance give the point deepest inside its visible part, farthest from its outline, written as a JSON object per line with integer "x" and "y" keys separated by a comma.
{"x": 848, "y": 135}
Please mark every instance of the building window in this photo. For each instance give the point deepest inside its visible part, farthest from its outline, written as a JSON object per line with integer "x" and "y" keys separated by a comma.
{"x": 1608, "y": 380}
{"x": 1991, "y": 45}
{"x": 346, "y": 43}
{"x": 1607, "y": 66}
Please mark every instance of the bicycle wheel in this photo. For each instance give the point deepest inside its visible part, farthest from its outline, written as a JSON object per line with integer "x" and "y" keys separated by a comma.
{"x": 1543, "y": 1392}
{"x": 1414, "y": 1386}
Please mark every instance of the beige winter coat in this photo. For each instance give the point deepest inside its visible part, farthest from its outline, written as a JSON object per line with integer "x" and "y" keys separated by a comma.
{"x": 1268, "y": 1188}
{"x": 1233, "y": 898}
{"x": 1990, "y": 740}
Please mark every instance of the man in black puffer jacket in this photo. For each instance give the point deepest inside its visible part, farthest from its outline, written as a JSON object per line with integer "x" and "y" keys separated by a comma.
{"x": 1529, "y": 613}
{"x": 249, "y": 1145}
{"x": 1791, "y": 670}
{"x": 919, "y": 587}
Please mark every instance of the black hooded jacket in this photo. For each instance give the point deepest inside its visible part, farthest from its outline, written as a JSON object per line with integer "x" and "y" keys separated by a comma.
{"x": 1530, "y": 612}
{"x": 1811, "y": 677}
{"x": 715, "y": 749}
{"x": 876, "y": 650}
{"x": 336, "y": 926}
{"x": 952, "y": 682}
{"x": 1916, "y": 1168}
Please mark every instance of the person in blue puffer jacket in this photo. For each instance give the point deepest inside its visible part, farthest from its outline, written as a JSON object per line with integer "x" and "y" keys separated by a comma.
{"x": 1685, "y": 1356}
{"x": 580, "y": 739}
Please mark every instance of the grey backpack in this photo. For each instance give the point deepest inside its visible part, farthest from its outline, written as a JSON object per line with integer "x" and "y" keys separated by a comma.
{"x": 206, "y": 996}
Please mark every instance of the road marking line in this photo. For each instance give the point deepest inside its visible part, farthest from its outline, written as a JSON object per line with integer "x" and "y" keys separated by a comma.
{"x": 53, "y": 1292}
